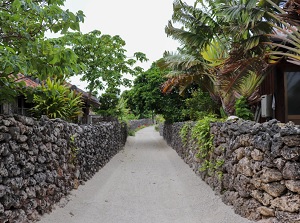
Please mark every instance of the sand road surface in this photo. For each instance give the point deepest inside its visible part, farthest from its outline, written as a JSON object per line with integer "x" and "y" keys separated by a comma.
{"x": 146, "y": 182}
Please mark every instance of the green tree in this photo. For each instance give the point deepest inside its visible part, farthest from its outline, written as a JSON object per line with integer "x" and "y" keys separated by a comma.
{"x": 24, "y": 47}
{"x": 224, "y": 44}
{"x": 199, "y": 105}
{"x": 106, "y": 64}
{"x": 105, "y": 59}
{"x": 145, "y": 99}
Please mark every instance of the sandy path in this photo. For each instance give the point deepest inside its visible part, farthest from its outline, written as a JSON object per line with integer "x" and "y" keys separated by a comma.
{"x": 146, "y": 182}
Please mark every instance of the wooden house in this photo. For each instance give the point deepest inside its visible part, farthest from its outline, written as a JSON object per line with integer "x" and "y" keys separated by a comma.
{"x": 283, "y": 85}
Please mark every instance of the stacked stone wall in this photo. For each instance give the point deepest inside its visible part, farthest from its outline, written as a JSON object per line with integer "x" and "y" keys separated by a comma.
{"x": 41, "y": 161}
{"x": 260, "y": 176}
{"x": 134, "y": 124}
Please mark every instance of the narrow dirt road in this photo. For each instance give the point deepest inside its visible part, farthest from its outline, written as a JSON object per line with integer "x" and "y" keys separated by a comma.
{"x": 147, "y": 182}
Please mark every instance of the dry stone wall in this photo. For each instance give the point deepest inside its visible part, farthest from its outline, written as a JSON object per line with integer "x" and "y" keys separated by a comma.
{"x": 260, "y": 176}
{"x": 43, "y": 160}
{"x": 134, "y": 124}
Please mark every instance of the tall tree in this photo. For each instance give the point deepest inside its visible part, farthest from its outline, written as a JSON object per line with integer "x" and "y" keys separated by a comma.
{"x": 24, "y": 47}
{"x": 105, "y": 59}
{"x": 145, "y": 98}
{"x": 223, "y": 42}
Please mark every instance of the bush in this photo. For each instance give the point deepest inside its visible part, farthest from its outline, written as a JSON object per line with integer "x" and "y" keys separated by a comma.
{"x": 242, "y": 109}
{"x": 56, "y": 101}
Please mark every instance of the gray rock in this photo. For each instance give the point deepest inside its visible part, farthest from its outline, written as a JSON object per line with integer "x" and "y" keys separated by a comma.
{"x": 270, "y": 175}
{"x": 269, "y": 212}
{"x": 262, "y": 197}
{"x": 290, "y": 203}
{"x": 291, "y": 171}
{"x": 289, "y": 153}
{"x": 5, "y": 137}
{"x": 244, "y": 167}
{"x": 291, "y": 140}
{"x": 293, "y": 185}
{"x": 2, "y": 190}
{"x": 287, "y": 217}
{"x": 280, "y": 163}
{"x": 275, "y": 189}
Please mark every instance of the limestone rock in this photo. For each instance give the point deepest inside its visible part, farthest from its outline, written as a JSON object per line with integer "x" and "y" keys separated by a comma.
{"x": 293, "y": 185}
{"x": 291, "y": 140}
{"x": 243, "y": 186}
{"x": 290, "y": 203}
{"x": 291, "y": 171}
{"x": 244, "y": 168}
{"x": 270, "y": 175}
{"x": 290, "y": 153}
{"x": 262, "y": 197}
{"x": 269, "y": 212}
{"x": 257, "y": 155}
{"x": 287, "y": 217}
{"x": 275, "y": 189}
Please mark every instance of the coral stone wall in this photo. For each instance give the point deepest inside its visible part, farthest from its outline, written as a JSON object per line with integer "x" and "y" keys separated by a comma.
{"x": 134, "y": 124}
{"x": 42, "y": 160}
{"x": 260, "y": 176}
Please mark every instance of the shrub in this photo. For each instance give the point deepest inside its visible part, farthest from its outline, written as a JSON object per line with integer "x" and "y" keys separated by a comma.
{"x": 56, "y": 101}
{"x": 242, "y": 109}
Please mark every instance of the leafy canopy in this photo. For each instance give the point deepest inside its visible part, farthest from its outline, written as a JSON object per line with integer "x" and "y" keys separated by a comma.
{"x": 24, "y": 47}
{"x": 146, "y": 99}
{"x": 105, "y": 60}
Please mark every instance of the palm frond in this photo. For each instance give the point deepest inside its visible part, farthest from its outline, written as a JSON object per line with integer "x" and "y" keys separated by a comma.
{"x": 181, "y": 62}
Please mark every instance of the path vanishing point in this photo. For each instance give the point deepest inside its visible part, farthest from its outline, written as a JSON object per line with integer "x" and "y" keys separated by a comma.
{"x": 147, "y": 182}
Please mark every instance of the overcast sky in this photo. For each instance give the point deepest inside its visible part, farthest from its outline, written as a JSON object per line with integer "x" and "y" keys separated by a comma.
{"x": 140, "y": 23}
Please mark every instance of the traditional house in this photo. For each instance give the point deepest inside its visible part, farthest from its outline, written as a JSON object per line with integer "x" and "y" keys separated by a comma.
{"x": 281, "y": 89}
{"x": 22, "y": 107}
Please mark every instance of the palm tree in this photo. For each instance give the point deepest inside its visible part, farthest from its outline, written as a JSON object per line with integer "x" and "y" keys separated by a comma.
{"x": 227, "y": 41}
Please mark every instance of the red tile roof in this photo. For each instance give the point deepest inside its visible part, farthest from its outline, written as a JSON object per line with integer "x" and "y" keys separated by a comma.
{"x": 29, "y": 82}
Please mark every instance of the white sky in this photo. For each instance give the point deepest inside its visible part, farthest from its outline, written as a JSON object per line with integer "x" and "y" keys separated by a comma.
{"x": 141, "y": 23}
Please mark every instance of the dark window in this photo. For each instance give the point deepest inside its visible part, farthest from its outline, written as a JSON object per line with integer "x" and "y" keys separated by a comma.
{"x": 293, "y": 93}
{"x": 23, "y": 106}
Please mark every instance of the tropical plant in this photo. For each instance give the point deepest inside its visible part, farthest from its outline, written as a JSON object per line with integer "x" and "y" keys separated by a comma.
{"x": 226, "y": 47}
{"x": 56, "y": 100}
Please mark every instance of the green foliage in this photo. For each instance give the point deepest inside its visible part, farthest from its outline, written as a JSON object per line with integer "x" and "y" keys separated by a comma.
{"x": 184, "y": 131}
{"x": 73, "y": 150}
{"x": 23, "y": 46}
{"x": 242, "y": 109}
{"x": 105, "y": 60}
{"x": 106, "y": 64}
{"x": 159, "y": 119}
{"x": 56, "y": 101}
{"x": 199, "y": 105}
{"x": 145, "y": 99}
{"x": 213, "y": 167}
{"x": 123, "y": 112}
{"x": 226, "y": 45}
{"x": 201, "y": 133}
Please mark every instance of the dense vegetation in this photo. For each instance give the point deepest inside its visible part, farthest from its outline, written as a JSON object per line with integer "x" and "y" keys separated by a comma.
{"x": 226, "y": 50}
